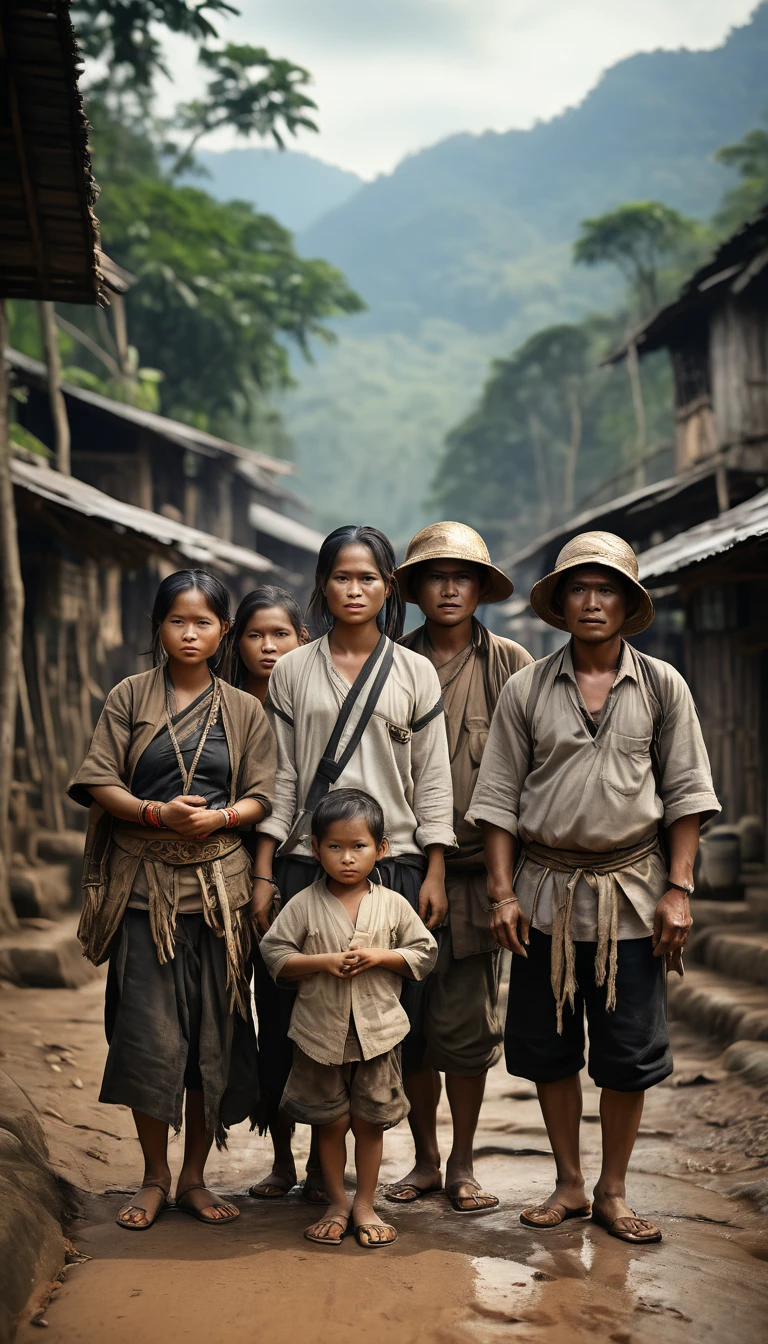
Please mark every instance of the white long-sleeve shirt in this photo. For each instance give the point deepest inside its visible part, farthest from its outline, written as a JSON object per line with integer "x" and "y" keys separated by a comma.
{"x": 402, "y": 759}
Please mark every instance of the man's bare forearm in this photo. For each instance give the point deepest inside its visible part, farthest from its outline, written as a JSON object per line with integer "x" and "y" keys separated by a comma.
{"x": 683, "y": 836}
{"x": 499, "y": 849}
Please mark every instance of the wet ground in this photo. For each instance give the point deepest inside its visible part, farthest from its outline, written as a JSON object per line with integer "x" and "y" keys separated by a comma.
{"x": 448, "y": 1278}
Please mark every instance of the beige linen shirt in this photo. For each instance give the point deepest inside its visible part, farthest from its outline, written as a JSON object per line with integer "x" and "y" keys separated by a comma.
{"x": 469, "y": 699}
{"x": 402, "y": 758}
{"x": 561, "y": 787}
{"x": 315, "y": 921}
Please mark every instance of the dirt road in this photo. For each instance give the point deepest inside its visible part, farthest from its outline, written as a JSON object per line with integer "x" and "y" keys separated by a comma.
{"x": 447, "y": 1278}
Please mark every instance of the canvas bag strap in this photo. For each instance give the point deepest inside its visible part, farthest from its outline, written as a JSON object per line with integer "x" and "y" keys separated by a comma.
{"x": 329, "y": 769}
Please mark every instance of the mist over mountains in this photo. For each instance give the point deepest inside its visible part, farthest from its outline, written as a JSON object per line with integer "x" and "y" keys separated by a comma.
{"x": 464, "y": 251}
{"x": 296, "y": 188}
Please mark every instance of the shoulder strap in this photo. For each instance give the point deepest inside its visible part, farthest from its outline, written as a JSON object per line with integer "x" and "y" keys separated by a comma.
{"x": 329, "y": 769}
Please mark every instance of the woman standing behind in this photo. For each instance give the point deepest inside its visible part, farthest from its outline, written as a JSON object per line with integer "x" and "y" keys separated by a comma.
{"x": 267, "y": 624}
{"x": 401, "y": 759}
{"x": 166, "y": 888}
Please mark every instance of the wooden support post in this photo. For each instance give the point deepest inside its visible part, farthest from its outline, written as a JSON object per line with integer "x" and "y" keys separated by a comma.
{"x": 11, "y": 631}
{"x": 55, "y": 394}
{"x": 633, "y": 370}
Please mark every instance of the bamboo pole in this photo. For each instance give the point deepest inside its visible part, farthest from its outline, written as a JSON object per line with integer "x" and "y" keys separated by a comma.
{"x": 638, "y": 406}
{"x": 11, "y": 632}
{"x": 55, "y": 394}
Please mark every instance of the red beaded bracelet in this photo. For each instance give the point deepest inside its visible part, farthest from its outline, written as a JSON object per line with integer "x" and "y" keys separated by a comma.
{"x": 231, "y": 818}
{"x": 151, "y": 815}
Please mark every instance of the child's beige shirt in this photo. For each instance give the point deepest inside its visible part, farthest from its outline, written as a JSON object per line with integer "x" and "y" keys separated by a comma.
{"x": 314, "y": 921}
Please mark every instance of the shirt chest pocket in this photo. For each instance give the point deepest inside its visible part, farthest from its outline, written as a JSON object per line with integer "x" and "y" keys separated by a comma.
{"x": 626, "y": 763}
{"x": 477, "y": 730}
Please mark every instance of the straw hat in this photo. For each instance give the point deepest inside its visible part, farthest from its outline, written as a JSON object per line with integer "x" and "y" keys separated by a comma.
{"x": 595, "y": 548}
{"x": 452, "y": 541}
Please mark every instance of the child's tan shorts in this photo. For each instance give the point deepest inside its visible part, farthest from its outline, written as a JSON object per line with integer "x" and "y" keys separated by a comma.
{"x": 318, "y": 1094}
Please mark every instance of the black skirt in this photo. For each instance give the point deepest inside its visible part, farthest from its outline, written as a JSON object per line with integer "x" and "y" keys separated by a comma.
{"x": 170, "y": 1028}
{"x": 274, "y": 1003}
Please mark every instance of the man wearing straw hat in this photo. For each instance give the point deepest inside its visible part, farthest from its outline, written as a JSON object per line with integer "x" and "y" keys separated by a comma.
{"x": 448, "y": 572}
{"x": 593, "y": 785}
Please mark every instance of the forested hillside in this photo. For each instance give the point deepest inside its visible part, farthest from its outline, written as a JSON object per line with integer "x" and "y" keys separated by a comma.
{"x": 465, "y": 250}
{"x": 296, "y": 188}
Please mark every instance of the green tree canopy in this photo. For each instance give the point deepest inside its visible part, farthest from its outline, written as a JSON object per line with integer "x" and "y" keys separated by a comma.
{"x": 749, "y": 157}
{"x": 637, "y": 238}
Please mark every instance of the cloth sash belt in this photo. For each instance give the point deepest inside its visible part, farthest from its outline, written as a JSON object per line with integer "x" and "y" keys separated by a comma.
{"x": 567, "y": 867}
{"x": 162, "y": 855}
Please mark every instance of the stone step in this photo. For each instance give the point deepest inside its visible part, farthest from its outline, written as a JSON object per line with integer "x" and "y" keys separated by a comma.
{"x": 757, "y": 904}
{"x": 42, "y": 954}
{"x": 740, "y": 953}
{"x": 721, "y": 1007}
{"x": 706, "y": 913}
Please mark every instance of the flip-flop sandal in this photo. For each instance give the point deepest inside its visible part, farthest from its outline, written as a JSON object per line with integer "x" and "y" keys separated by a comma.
{"x": 271, "y": 1189}
{"x": 199, "y": 1214}
{"x": 405, "y": 1193}
{"x": 614, "y": 1229}
{"x": 343, "y": 1223}
{"x": 314, "y": 1194}
{"x": 477, "y": 1195}
{"x": 128, "y": 1208}
{"x": 374, "y": 1245}
{"x": 561, "y": 1212}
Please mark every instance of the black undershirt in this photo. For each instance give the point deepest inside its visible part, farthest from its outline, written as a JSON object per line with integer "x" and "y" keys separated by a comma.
{"x": 157, "y": 774}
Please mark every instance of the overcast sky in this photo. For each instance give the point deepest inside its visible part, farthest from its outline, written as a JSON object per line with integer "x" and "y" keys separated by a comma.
{"x": 391, "y": 76}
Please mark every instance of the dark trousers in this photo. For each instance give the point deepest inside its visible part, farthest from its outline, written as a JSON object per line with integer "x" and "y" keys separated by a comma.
{"x": 629, "y": 1048}
{"x": 170, "y": 1028}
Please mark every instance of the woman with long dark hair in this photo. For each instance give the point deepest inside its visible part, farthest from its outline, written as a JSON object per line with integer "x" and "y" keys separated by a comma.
{"x": 353, "y": 677}
{"x": 179, "y": 762}
{"x": 267, "y": 624}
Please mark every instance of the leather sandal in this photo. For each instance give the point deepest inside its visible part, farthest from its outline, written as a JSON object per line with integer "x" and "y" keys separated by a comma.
{"x": 614, "y": 1228}
{"x": 314, "y": 1194}
{"x": 480, "y": 1201}
{"x": 272, "y": 1187}
{"x": 135, "y": 1208}
{"x": 402, "y": 1192}
{"x": 554, "y": 1215}
{"x": 363, "y": 1235}
{"x": 199, "y": 1214}
{"x": 338, "y": 1221}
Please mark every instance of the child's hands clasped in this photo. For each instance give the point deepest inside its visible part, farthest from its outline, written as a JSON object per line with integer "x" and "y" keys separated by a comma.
{"x": 346, "y": 965}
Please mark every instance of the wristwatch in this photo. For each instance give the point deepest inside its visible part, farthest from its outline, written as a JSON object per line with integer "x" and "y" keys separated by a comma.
{"x": 687, "y": 887}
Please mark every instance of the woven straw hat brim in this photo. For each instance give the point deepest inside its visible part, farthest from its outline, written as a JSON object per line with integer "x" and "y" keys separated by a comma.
{"x": 497, "y": 586}
{"x": 543, "y": 592}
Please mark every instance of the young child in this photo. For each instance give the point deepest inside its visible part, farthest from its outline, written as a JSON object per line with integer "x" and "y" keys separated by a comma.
{"x": 348, "y": 941}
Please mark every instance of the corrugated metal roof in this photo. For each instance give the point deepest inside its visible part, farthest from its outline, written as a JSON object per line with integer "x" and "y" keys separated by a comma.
{"x": 69, "y": 493}
{"x": 186, "y": 436}
{"x": 747, "y": 522}
{"x": 285, "y": 529}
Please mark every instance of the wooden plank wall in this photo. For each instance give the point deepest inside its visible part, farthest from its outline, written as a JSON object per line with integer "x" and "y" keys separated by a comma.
{"x": 725, "y": 678}
{"x": 739, "y": 369}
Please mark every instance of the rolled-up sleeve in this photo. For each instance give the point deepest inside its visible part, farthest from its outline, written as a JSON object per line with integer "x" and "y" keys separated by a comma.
{"x": 279, "y": 711}
{"x": 686, "y": 786}
{"x": 505, "y": 762}
{"x": 431, "y": 766}
{"x": 415, "y": 943}
{"x": 105, "y": 763}
{"x": 285, "y": 938}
